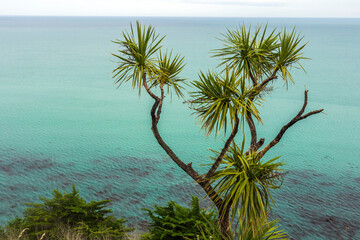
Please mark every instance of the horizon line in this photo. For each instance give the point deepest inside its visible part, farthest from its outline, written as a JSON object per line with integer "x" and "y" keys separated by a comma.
{"x": 176, "y": 16}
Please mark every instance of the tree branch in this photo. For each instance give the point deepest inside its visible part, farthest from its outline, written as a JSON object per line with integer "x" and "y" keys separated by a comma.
{"x": 148, "y": 89}
{"x": 254, "y": 144}
{"x": 252, "y": 128}
{"x": 160, "y": 103}
{"x": 269, "y": 79}
{"x": 258, "y": 144}
{"x": 297, "y": 118}
{"x": 224, "y": 150}
{"x": 249, "y": 118}
{"x": 155, "y": 116}
{"x": 187, "y": 168}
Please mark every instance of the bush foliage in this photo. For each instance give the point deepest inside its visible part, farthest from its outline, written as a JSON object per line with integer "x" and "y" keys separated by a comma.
{"x": 92, "y": 220}
{"x": 176, "y": 222}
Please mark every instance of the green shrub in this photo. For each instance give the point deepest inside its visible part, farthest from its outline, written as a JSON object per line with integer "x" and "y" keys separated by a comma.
{"x": 92, "y": 220}
{"x": 174, "y": 222}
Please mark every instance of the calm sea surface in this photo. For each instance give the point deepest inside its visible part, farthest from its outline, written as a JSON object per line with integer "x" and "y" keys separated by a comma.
{"x": 63, "y": 122}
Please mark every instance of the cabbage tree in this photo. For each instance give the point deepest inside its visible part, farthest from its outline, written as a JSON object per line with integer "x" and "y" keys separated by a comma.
{"x": 238, "y": 182}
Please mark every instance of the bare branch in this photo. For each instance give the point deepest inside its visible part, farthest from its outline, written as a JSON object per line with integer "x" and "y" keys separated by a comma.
{"x": 258, "y": 144}
{"x": 297, "y": 118}
{"x": 269, "y": 79}
{"x": 224, "y": 150}
{"x": 249, "y": 118}
{"x": 304, "y": 105}
{"x": 155, "y": 116}
{"x": 311, "y": 113}
{"x": 148, "y": 89}
{"x": 160, "y": 103}
{"x": 252, "y": 128}
{"x": 254, "y": 145}
{"x": 187, "y": 168}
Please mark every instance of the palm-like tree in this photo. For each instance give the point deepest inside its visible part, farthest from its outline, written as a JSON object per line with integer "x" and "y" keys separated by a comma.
{"x": 224, "y": 100}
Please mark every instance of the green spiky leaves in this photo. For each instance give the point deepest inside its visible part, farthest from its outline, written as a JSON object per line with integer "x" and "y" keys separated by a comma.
{"x": 140, "y": 59}
{"x": 258, "y": 55}
{"x": 289, "y": 53}
{"x": 244, "y": 181}
{"x": 136, "y": 55}
{"x": 168, "y": 75}
{"x": 219, "y": 98}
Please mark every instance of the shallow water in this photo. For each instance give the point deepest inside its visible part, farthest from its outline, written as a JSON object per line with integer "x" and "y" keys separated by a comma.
{"x": 63, "y": 122}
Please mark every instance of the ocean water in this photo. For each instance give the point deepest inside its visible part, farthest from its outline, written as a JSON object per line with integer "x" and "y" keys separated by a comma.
{"x": 64, "y": 122}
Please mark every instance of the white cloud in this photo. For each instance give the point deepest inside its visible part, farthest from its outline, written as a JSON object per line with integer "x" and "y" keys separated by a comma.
{"x": 184, "y": 8}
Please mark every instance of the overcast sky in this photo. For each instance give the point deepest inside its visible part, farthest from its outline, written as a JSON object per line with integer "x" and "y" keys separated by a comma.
{"x": 187, "y": 8}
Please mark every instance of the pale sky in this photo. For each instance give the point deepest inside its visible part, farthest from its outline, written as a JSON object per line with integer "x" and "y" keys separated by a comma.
{"x": 184, "y": 8}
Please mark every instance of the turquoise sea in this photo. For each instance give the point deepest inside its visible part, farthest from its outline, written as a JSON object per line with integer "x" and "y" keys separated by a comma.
{"x": 64, "y": 122}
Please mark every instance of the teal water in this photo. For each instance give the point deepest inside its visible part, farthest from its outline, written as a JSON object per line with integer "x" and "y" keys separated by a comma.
{"x": 63, "y": 122}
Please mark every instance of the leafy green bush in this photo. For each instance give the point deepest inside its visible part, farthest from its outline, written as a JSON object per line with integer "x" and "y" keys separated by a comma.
{"x": 174, "y": 222}
{"x": 90, "y": 219}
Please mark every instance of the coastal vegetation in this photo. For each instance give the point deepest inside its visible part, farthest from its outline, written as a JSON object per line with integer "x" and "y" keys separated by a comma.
{"x": 240, "y": 180}
{"x": 67, "y": 216}
{"x": 174, "y": 221}
{"x": 63, "y": 216}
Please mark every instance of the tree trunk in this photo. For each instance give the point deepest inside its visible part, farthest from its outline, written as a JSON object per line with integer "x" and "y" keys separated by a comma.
{"x": 224, "y": 222}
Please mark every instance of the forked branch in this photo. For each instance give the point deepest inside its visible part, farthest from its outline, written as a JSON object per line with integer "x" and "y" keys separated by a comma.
{"x": 254, "y": 143}
{"x": 155, "y": 116}
{"x": 225, "y": 148}
{"x": 297, "y": 118}
{"x": 147, "y": 88}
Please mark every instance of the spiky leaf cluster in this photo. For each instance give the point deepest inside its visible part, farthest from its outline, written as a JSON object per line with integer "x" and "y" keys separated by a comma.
{"x": 258, "y": 55}
{"x": 244, "y": 182}
{"x": 219, "y": 99}
{"x": 140, "y": 59}
{"x": 169, "y": 69}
